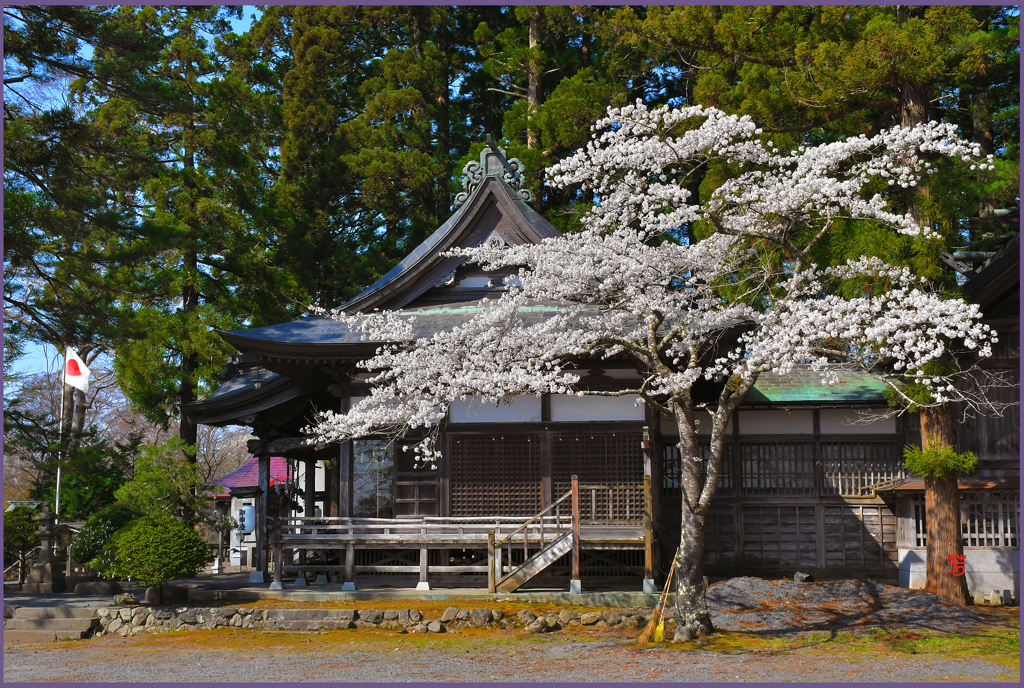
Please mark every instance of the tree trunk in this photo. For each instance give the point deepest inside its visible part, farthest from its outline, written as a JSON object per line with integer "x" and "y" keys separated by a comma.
{"x": 942, "y": 514}
{"x": 691, "y": 606}
{"x": 533, "y": 84}
{"x": 78, "y": 419}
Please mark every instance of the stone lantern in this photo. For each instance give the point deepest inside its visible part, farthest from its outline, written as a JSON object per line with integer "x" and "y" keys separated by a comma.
{"x": 45, "y": 576}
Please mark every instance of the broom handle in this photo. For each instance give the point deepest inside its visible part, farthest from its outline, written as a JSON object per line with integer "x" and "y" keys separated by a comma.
{"x": 668, "y": 585}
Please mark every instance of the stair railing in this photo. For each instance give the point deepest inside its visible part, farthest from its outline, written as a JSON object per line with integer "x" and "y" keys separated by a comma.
{"x": 551, "y": 514}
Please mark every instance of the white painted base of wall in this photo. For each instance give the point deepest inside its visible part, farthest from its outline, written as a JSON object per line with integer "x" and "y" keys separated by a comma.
{"x": 575, "y": 588}
{"x": 423, "y": 585}
{"x": 348, "y": 585}
{"x": 989, "y": 569}
{"x": 256, "y": 577}
{"x": 649, "y": 586}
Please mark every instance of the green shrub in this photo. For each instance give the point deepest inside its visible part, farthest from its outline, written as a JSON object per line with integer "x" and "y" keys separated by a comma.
{"x": 19, "y": 533}
{"x": 97, "y": 530}
{"x": 938, "y": 463}
{"x": 153, "y": 549}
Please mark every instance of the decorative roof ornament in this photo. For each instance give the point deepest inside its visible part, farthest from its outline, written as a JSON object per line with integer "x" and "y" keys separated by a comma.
{"x": 493, "y": 163}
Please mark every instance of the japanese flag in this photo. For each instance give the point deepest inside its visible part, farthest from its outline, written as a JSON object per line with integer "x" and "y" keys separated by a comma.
{"x": 76, "y": 373}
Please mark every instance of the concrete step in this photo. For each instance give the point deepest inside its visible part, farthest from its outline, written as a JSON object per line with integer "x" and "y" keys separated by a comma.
{"x": 311, "y": 614}
{"x": 50, "y": 624}
{"x": 311, "y": 625}
{"x": 54, "y": 613}
{"x": 42, "y": 636}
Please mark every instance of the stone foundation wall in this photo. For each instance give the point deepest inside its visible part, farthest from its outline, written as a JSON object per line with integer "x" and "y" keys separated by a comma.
{"x": 130, "y": 621}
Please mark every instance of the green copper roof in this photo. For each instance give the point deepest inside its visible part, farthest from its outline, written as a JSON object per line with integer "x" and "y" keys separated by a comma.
{"x": 799, "y": 386}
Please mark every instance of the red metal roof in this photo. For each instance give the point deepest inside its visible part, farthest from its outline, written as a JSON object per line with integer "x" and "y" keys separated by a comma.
{"x": 247, "y": 475}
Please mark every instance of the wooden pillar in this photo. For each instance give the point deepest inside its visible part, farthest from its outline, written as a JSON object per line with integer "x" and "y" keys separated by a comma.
{"x": 545, "y": 469}
{"x": 262, "y": 510}
{"x": 343, "y": 476}
{"x": 491, "y": 576}
{"x": 648, "y": 585}
{"x": 575, "y": 587}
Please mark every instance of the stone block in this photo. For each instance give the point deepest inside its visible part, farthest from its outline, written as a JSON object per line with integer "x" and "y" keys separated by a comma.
{"x": 114, "y": 626}
{"x": 497, "y": 614}
{"x": 391, "y": 615}
{"x": 436, "y": 627}
{"x": 552, "y": 622}
{"x": 590, "y": 618}
{"x": 172, "y": 595}
{"x": 162, "y": 613}
{"x": 189, "y": 615}
{"x": 449, "y": 614}
{"x": 479, "y": 617}
{"x": 372, "y": 616}
{"x": 564, "y": 616}
{"x": 126, "y": 600}
{"x": 463, "y": 615}
{"x": 611, "y": 617}
{"x": 801, "y": 577}
{"x": 526, "y": 616}
{"x": 98, "y": 587}
{"x": 539, "y": 625}
{"x": 415, "y": 616}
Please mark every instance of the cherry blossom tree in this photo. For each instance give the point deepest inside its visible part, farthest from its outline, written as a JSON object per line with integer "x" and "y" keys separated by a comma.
{"x": 744, "y": 300}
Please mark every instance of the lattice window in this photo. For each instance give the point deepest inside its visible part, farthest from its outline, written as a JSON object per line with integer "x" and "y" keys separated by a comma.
{"x": 853, "y": 469}
{"x": 671, "y": 468}
{"x": 987, "y": 519}
{"x": 495, "y": 475}
{"x": 777, "y": 468}
{"x": 610, "y": 459}
{"x": 779, "y": 536}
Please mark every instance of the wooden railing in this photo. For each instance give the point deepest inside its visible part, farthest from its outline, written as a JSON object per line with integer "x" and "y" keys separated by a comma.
{"x": 611, "y": 504}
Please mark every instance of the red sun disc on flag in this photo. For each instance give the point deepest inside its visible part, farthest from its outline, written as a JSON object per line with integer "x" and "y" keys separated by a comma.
{"x": 73, "y": 368}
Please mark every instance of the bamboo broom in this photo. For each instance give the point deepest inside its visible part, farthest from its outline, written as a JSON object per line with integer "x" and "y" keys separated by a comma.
{"x": 647, "y": 635}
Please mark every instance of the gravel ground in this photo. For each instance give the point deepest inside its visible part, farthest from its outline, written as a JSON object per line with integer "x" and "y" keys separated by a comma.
{"x": 765, "y": 608}
{"x": 769, "y": 607}
{"x": 551, "y": 660}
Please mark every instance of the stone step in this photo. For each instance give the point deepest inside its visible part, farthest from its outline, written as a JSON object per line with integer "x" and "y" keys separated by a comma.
{"x": 309, "y": 625}
{"x": 42, "y": 636}
{"x": 54, "y": 613}
{"x": 311, "y": 614}
{"x": 50, "y": 624}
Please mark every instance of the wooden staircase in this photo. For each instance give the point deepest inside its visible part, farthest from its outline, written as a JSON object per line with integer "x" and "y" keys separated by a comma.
{"x": 560, "y": 538}
{"x": 535, "y": 564}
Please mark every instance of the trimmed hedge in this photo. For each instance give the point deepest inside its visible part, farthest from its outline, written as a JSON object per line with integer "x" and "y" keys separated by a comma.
{"x": 154, "y": 549}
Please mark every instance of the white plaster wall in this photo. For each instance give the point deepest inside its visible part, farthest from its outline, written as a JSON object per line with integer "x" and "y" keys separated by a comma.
{"x": 587, "y": 408}
{"x": 989, "y": 569}
{"x": 523, "y": 409}
{"x": 779, "y": 422}
{"x": 839, "y": 422}
{"x": 669, "y": 429}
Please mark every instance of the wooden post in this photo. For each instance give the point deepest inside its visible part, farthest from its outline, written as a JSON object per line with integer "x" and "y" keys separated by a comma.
{"x": 278, "y": 556}
{"x": 491, "y": 582}
{"x": 575, "y": 528}
{"x": 350, "y": 567}
{"x": 423, "y": 584}
{"x": 261, "y": 514}
{"x": 648, "y": 584}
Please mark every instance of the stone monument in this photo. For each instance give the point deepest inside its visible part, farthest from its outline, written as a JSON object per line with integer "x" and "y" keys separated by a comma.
{"x": 45, "y": 575}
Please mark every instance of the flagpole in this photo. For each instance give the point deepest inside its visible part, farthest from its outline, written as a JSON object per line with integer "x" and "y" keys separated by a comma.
{"x": 60, "y": 429}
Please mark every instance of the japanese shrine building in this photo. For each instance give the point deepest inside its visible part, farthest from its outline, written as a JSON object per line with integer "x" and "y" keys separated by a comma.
{"x": 804, "y": 487}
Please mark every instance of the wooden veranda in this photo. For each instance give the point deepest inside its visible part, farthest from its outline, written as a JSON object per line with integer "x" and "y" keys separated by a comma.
{"x": 587, "y": 517}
